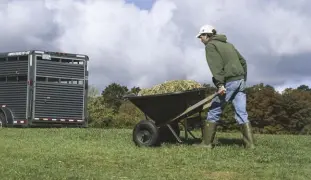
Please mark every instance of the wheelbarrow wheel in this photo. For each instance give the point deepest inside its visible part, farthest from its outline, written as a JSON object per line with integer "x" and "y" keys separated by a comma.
{"x": 145, "y": 133}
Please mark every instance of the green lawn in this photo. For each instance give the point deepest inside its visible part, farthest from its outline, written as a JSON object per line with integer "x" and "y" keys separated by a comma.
{"x": 110, "y": 154}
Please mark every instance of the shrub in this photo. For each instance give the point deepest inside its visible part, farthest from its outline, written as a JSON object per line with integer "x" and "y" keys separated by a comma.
{"x": 99, "y": 114}
{"x": 127, "y": 116}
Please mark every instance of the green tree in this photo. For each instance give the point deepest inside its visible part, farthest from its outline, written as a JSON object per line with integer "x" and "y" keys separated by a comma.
{"x": 135, "y": 90}
{"x": 263, "y": 105}
{"x": 303, "y": 88}
{"x": 99, "y": 114}
{"x": 296, "y": 104}
{"x": 127, "y": 116}
{"x": 113, "y": 95}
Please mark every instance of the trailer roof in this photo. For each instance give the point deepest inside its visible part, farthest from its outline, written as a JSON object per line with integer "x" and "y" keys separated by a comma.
{"x": 22, "y": 53}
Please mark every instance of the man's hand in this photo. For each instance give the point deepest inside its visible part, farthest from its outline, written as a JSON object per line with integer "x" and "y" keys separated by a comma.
{"x": 221, "y": 90}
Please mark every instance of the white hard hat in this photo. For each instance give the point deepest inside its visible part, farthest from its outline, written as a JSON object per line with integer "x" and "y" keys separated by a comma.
{"x": 205, "y": 29}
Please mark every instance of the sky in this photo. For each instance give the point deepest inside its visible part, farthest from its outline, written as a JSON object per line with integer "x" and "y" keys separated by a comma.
{"x": 146, "y": 42}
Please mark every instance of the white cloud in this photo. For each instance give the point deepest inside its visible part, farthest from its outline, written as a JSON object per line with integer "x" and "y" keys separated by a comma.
{"x": 140, "y": 48}
{"x": 291, "y": 84}
{"x": 25, "y": 25}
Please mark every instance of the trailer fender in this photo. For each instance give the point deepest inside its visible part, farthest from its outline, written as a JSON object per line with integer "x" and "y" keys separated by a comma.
{"x": 6, "y": 116}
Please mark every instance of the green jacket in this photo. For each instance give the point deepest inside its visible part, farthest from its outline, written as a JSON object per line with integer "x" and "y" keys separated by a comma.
{"x": 224, "y": 60}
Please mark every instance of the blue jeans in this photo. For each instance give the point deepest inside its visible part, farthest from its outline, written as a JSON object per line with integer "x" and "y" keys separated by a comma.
{"x": 234, "y": 93}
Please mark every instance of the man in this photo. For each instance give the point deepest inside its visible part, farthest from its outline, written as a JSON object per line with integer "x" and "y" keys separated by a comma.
{"x": 229, "y": 70}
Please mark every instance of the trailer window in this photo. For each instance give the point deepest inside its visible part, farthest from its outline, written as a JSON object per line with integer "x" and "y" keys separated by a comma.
{"x": 23, "y": 58}
{"x": 59, "y": 80}
{"x": 55, "y": 59}
{"x": 77, "y": 82}
{"x": 71, "y": 81}
{"x": 72, "y": 61}
{"x": 14, "y": 58}
{"x": 53, "y": 80}
{"x": 66, "y": 81}
{"x": 62, "y": 60}
{"x": 47, "y": 79}
{"x": 41, "y": 79}
{"x": 67, "y": 61}
{"x": 22, "y": 78}
{"x": 11, "y": 78}
{"x": 77, "y": 62}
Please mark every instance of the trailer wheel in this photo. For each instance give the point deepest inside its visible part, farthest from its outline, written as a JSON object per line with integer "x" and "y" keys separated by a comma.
{"x": 3, "y": 122}
{"x": 145, "y": 133}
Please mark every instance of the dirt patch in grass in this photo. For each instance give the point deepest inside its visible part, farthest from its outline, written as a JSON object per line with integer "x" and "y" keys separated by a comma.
{"x": 223, "y": 175}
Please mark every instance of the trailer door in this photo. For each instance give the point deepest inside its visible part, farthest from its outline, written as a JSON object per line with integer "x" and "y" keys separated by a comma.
{"x": 60, "y": 88}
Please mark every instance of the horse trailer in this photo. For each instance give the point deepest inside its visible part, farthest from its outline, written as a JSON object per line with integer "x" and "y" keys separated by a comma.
{"x": 41, "y": 88}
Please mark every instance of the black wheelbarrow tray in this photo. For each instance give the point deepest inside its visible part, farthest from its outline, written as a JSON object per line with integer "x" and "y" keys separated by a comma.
{"x": 164, "y": 112}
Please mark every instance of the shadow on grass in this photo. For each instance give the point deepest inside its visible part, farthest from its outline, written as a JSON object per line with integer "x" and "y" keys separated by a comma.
{"x": 217, "y": 141}
{"x": 229, "y": 142}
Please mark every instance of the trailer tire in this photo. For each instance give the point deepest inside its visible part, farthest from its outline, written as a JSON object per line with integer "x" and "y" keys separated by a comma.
{"x": 7, "y": 117}
{"x": 145, "y": 129}
{"x": 3, "y": 120}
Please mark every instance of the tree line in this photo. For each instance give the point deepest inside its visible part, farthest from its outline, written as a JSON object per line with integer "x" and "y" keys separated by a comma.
{"x": 270, "y": 112}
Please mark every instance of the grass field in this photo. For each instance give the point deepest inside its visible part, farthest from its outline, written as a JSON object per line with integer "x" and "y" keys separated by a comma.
{"x": 110, "y": 154}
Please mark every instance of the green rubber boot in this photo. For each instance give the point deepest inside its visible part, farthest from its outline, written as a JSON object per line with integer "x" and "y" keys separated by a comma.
{"x": 248, "y": 137}
{"x": 209, "y": 131}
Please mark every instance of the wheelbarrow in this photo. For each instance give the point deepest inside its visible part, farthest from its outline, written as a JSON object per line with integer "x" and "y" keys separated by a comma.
{"x": 164, "y": 112}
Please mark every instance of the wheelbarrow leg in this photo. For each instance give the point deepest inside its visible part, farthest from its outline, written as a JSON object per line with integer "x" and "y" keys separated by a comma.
{"x": 192, "y": 135}
{"x": 186, "y": 129}
{"x": 174, "y": 133}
